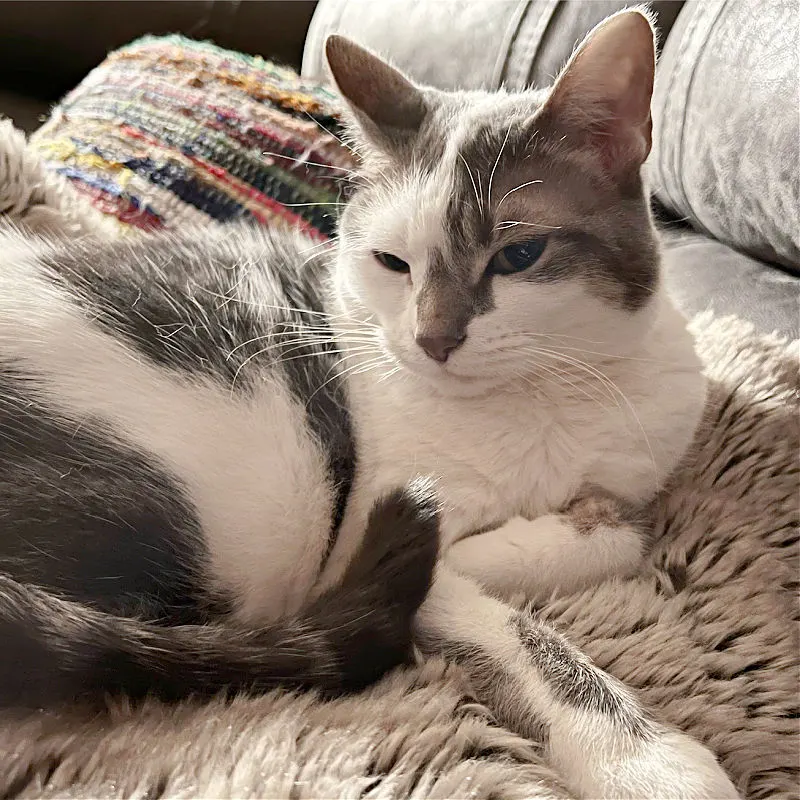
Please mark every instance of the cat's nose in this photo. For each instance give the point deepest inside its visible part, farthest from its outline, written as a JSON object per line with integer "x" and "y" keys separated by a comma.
{"x": 439, "y": 347}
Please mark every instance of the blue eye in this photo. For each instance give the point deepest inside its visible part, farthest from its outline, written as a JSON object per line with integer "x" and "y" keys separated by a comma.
{"x": 517, "y": 257}
{"x": 392, "y": 262}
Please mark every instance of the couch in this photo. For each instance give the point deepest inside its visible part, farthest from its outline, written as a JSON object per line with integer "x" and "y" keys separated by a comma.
{"x": 725, "y": 162}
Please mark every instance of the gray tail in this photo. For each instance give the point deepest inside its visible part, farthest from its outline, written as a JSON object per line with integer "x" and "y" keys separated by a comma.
{"x": 55, "y": 650}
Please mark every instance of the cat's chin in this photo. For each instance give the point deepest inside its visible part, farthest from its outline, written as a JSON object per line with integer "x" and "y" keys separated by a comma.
{"x": 447, "y": 379}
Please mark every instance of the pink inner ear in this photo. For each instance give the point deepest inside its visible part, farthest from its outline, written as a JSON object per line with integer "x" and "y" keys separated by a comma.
{"x": 625, "y": 138}
{"x": 603, "y": 94}
{"x": 622, "y": 146}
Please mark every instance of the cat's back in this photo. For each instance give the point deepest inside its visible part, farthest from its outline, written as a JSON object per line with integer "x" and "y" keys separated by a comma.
{"x": 152, "y": 407}
{"x": 194, "y": 301}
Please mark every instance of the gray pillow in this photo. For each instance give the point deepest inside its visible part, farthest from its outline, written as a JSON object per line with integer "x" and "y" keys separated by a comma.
{"x": 467, "y": 44}
{"x": 727, "y": 124}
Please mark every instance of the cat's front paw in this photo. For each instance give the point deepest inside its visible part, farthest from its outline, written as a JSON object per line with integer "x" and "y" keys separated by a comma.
{"x": 672, "y": 765}
{"x": 663, "y": 765}
{"x": 562, "y": 552}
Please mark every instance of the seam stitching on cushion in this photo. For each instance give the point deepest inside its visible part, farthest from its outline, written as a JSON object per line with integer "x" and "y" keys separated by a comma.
{"x": 680, "y": 154}
{"x": 528, "y": 40}
{"x": 538, "y": 34}
{"x": 507, "y": 46}
{"x": 672, "y": 172}
{"x": 669, "y": 102}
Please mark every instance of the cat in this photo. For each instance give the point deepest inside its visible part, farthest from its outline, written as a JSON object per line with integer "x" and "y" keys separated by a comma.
{"x": 231, "y": 459}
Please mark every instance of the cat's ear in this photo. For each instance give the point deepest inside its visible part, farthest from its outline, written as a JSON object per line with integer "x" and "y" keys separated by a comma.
{"x": 603, "y": 94}
{"x": 387, "y": 108}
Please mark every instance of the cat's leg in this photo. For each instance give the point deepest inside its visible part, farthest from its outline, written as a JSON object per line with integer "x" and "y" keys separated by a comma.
{"x": 595, "y": 537}
{"x": 597, "y": 734}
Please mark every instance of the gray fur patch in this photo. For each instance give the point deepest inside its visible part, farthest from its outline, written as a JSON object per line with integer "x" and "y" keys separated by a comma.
{"x": 514, "y": 168}
{"x": 89, "y": 517}
{"x": 594, "y": 506}
{"x": 449, "y": 299}
{"x": 575, "y": 681}
{"x": 594, "y": 233}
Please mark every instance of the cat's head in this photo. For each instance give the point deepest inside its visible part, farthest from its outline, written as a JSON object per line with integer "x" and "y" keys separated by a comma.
{"x": 492, "y": 227}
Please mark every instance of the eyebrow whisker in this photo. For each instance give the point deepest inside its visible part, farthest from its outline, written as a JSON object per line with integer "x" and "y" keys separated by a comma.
{"x": 497, "y": 161}
{"x": 511, "y": 223}
{"x": 516, "y": 189}
{"x": 472, "y": 181}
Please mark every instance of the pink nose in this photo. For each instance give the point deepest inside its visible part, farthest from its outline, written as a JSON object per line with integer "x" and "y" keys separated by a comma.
{"x": 439, "y": 347}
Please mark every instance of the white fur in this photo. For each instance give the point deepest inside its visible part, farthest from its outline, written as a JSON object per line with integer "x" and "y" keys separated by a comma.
{"x": 254, "y": 474}
{"x": 515, "y": 450}
{"x": 602, "y": 762}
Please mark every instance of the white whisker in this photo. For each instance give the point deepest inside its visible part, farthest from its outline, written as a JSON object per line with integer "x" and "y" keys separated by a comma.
{"x": 321, "y": 336}
{"x": 610, "y": 385}
{"x": 316, "y": 246}
{"x": 354, "y": 350}
{"x": 579, "y": 350}
{"x": 302, "y": 205}
{"x": 309, "y": 163}
{"x": 472, "y": 181}
{"x": 561, "y": 375}
{"x": 511, "y": 223}
{"x": 497, "y": 161}
{"x": 325, "y": 314}
{"x": 330, "y": 133}
{"x": 515, "y": 189}
{"x": 370, "y": 363}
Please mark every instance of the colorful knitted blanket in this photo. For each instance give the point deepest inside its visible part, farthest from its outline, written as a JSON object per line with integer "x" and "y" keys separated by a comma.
{"x": 168, "y": 131}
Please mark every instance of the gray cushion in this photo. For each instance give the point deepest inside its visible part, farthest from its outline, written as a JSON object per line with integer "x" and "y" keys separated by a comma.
{"x": 467, "y": 44}
{"x": 702, "y": 273}
{"x": 726, "y": 153}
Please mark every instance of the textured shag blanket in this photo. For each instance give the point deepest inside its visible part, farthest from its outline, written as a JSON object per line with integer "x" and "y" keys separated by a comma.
{"x": 708, "y": 637}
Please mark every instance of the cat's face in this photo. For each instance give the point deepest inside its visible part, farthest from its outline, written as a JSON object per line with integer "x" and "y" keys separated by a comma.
{"x": 498, "y": 235}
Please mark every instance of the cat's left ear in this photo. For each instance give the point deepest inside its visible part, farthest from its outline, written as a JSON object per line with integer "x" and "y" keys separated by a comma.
{"x": 602, "y": 96}
{"x": 386, "y": 106}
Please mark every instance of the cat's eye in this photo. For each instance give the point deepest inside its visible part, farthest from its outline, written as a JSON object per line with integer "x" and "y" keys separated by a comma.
{"x": 392, "y": 262}
{"x": 517, "y": 257}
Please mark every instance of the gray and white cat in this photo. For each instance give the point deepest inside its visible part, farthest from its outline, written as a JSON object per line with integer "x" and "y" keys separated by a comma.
{"x": 219, "y": 451}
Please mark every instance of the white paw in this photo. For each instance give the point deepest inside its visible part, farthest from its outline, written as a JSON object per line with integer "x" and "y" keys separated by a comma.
{"x": 671, "y": 766}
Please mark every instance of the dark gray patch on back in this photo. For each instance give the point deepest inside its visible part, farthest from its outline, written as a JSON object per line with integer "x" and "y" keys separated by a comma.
{"x": 574, "y": 681}
{"x": 90, "y": 517}
{"x": 176, "y": 301}
{"x": 313, "y": 367}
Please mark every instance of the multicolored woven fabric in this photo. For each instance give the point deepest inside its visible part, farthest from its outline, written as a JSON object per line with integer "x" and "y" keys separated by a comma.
{"x": 169, "y": 131}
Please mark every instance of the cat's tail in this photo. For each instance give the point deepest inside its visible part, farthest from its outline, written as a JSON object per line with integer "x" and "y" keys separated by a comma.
{"x": 55, "y": 649}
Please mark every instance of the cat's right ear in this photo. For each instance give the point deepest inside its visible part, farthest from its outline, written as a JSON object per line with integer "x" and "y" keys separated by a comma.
{"x": 602, "y": 97}
{"x": 385, "y": 106}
